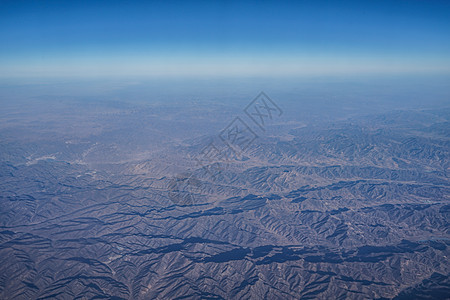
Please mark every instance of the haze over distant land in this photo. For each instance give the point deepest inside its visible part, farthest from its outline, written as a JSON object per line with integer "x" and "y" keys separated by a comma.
{"x": 224, "y": 150}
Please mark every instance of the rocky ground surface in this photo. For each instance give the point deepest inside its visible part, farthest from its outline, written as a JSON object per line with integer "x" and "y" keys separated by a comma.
{"x": 109, "y": 203}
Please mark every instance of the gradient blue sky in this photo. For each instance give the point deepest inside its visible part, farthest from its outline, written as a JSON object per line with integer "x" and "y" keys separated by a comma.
{"x": 224, "y": 38}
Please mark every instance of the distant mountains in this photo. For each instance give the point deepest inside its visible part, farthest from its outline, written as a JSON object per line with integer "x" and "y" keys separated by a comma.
{"x": 357, "y": 208}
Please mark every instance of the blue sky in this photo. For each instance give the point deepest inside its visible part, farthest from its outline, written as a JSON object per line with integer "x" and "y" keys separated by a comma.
{"x": 230, "y": 38}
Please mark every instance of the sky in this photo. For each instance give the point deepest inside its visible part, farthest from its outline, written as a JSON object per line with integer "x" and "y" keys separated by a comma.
{"x": 222, "y": 38}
